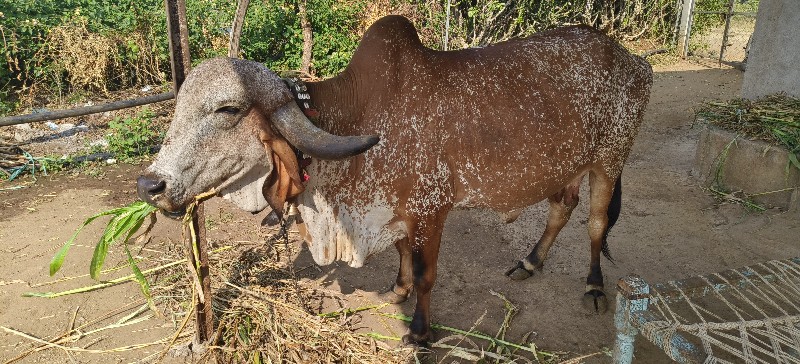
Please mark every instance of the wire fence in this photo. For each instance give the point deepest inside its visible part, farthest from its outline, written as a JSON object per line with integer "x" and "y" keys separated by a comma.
{"x": 722, "y": 33}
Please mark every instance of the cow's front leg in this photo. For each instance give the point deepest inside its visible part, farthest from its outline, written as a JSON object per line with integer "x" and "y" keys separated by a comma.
{"x": 404, "y": 284}
{"x": 424, "y": 255}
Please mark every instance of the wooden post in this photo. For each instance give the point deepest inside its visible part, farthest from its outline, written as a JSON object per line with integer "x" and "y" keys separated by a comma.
{"x": 446, "y": 27}
{"x": 203, "y": 311}
{"x": 236, "y": 29}
{"x": 178, "y": 31}
{"x": 728, "y": 17}
{"x": 181, "y": 63}
{"x": 632, "y": 295}
{"x": 308, "y": 38}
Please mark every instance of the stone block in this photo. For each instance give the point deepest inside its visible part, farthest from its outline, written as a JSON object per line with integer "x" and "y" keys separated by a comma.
{"x": 754, "y": 167}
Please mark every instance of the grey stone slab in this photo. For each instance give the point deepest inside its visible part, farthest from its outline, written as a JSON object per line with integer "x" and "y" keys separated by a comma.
{"x": 752, "y": 166}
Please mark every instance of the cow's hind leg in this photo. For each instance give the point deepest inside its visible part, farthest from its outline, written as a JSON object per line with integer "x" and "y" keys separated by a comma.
{"x": 403, "y": 285}
{"x": 561, "y": 206}
{"x": 605, "y": 204}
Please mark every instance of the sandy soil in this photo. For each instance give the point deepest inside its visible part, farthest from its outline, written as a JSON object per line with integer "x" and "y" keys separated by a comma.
{"x": 670, "y": 228}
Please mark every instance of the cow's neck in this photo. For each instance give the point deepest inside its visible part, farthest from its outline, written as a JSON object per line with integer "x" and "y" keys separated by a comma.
{"x": 338, "y": 102}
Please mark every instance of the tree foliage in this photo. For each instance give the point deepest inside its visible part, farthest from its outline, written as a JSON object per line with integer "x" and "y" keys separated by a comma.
{"x": 54, "y": 48}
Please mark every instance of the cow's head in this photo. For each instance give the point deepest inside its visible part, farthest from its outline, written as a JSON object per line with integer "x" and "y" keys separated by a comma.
{"x": 234, "y": 127}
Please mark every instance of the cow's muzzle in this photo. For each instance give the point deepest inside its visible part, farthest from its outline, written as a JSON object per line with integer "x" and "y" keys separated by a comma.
{"x": 151, "y": 189}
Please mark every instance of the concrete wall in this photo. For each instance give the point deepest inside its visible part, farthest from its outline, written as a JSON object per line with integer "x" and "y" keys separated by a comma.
{"x": 752, "y": 167}
{"x": 774, "y": 61}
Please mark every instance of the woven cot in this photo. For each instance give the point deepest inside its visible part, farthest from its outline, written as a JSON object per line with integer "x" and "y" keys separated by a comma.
{"x": 745, "y": 315}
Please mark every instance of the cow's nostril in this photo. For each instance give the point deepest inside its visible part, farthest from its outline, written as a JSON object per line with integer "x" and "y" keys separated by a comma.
{"x": 158, "y": 188}
{"x": 150, "y": 186}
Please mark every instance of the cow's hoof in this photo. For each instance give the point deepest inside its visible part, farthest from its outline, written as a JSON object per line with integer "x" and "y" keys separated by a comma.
{"x": 519, "y": 272}
{"x": 392, "y": 296}
{"x": 595, "y": 301}
{"x": 416, "y": 341}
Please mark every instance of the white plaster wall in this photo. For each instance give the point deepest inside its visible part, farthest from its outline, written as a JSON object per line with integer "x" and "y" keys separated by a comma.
{"x": 774, "y": 62}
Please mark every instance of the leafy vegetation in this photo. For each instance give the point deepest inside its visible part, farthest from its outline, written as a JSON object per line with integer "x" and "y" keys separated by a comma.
{"x": 134, "y": 137}
{"x": 125, "y": 222}
{"x": 490, "y": 21}
{"x": 25, "y": 163}
{"x": 56, "y": 48}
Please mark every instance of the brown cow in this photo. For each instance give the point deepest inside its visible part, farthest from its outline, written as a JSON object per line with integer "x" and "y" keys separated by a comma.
{"x": 502, "y": 127}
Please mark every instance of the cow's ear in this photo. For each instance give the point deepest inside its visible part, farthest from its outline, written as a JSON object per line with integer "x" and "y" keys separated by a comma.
{"x": 283, "y": 183}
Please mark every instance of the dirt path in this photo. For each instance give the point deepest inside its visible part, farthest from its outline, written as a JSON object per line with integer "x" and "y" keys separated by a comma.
{"x": 670, "y": 228}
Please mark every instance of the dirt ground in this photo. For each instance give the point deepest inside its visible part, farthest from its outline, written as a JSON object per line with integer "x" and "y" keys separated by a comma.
{"x": 670, "y": 228}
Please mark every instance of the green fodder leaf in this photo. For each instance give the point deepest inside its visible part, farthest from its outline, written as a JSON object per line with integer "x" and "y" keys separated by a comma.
{"x": 61, "y": 254}
{"x": 38, "y": 294}
{"x": 137, "y": 273}
{"x": 100, "y": 252}
{"x": 127, "y": 221}
{"x": 58, "y": 259}
{"x": 793, "y": 159}
{"x": 774, "y": 119}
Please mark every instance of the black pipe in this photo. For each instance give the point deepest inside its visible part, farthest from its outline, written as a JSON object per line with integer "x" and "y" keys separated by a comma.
{"x": 61, "y": 114}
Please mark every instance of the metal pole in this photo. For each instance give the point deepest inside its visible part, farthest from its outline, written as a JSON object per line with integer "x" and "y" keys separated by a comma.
{"x": 447, "y": 26}
{"x": 689, "y": 30}
{"x": 728, "y": 17}
{"x": 685, "y": 26}
{"x": 69, "y": 113}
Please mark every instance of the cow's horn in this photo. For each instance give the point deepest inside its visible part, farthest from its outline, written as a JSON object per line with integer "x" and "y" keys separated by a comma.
{"x": 317, "y": 143}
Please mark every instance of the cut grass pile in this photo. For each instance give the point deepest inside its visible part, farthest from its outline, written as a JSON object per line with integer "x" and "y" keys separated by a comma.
{"x": 264, "y": 312}
{"x": 774, "y": 119}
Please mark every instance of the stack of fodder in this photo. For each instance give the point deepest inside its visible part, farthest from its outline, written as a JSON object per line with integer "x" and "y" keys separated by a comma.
{"x": 774, "y": 119}
{"x": 266, "y": 314}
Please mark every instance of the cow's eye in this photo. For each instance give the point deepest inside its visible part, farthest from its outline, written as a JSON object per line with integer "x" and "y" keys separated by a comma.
{"x": 230, "y": 110}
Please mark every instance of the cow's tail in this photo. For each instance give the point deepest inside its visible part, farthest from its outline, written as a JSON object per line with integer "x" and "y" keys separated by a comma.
{"x": 614, "y": 208}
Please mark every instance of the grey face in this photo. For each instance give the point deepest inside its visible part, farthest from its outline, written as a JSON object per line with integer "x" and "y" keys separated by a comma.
{"x": 213, "y": 141}
{"x": 234, "y": 120}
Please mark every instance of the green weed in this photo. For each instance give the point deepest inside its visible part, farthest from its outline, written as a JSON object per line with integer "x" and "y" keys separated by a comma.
{"x": 34, "y": 166}
{"x": 54, "y": 48}
{"x": 124, "y": 223}
{"x": 133, "y": 137}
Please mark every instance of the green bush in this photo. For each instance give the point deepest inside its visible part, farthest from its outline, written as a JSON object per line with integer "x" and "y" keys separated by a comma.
{"x": 55, "y": 48}
{"x": 133, "y": 137}
{"x": 481, "y": 22}
{"x": 336, "y": 34}
{"x": 47, "y": 41}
